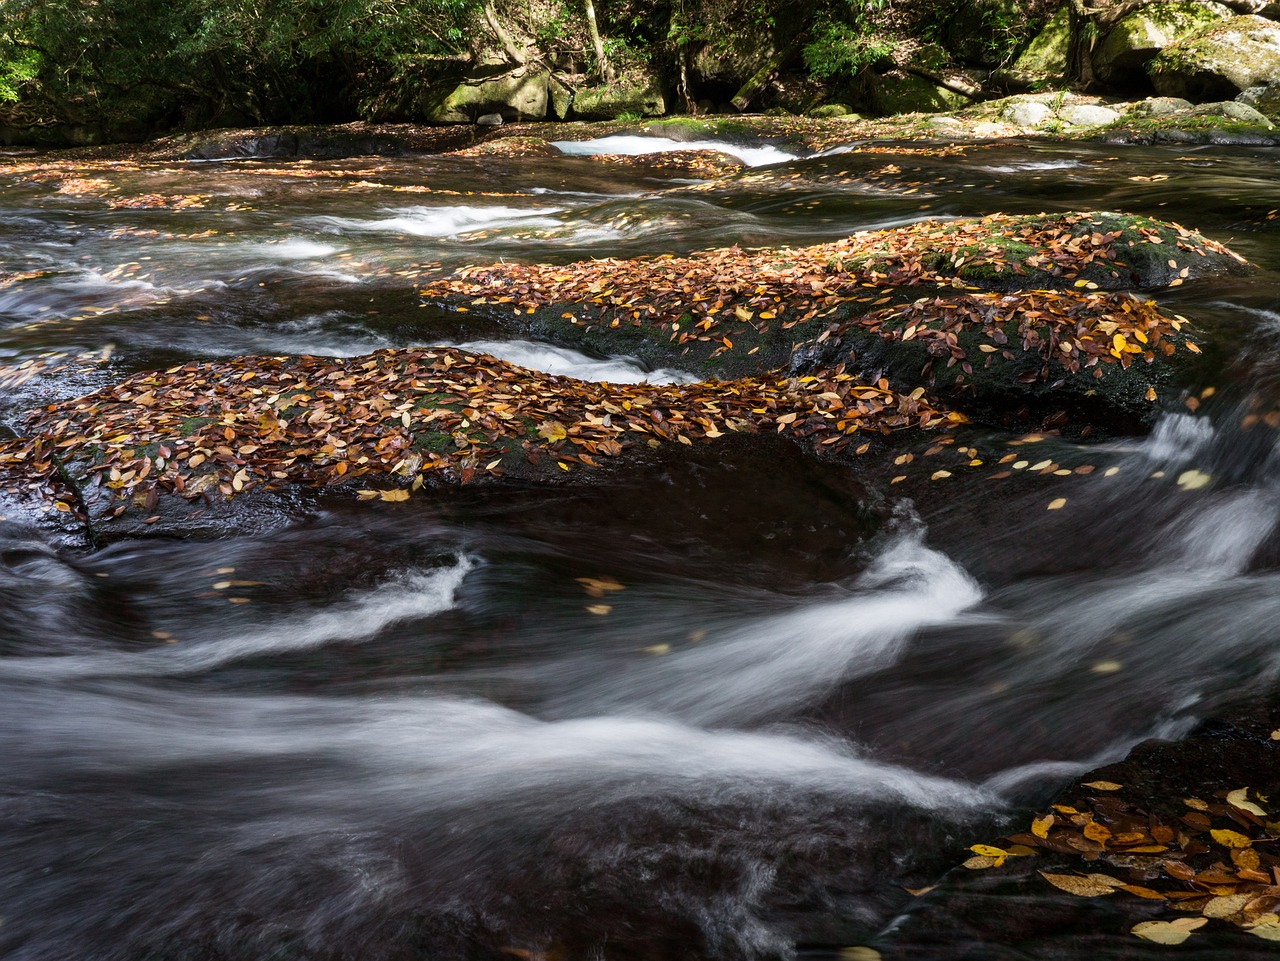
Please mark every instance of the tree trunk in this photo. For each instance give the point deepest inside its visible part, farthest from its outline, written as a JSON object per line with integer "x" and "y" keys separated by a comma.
{"x": 1083, "y": 38}
{"x": 748, "y": 91}
{"x": 509, "y": 47}
{"x": 593, "y": 30}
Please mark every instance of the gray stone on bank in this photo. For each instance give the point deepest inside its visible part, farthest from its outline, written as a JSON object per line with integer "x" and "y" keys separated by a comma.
{"x": 1233, "y": 110}
{"x": 1026, "y": 113}
{"x": 1155, "y": 107}
{"x": 1087, "y": 115}
{"x": 1265, "y": 99}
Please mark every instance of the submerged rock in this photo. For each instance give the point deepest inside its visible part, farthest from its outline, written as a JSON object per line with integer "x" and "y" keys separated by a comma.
{"x": 1174, "y": 838}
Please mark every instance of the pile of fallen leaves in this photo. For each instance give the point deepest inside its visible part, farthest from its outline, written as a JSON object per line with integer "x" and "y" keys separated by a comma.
{"x": 719, "y": 296}
{"x": 1065, "y": 331}
{"x": 1218, "y": 860}
{"x": 401, "y": 418}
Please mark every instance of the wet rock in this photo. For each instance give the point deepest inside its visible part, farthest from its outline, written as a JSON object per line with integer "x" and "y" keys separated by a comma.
{"x": 1220, "y": 62}
{"x": 1011, "y": 910}
{"x": 1123, "y": 54}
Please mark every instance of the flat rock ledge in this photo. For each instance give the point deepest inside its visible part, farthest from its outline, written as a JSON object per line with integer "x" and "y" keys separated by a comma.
{"x": 1033, "y": 316}
{"x": 388, "y": 423}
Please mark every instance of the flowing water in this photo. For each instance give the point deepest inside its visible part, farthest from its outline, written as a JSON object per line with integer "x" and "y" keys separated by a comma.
{"x": 726, "y": 705}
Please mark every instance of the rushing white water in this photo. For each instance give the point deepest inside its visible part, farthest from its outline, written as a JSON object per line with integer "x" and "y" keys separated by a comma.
{"x": 765, "y": 668}
{"x": 411, "y": 596}
{"x": 633, "y": 146}
{"x": 419, "y": 221}
{"x": 564, "y": 362}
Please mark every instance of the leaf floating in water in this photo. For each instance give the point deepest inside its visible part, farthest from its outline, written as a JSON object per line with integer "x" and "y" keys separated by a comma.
{"x": 1268, "y": 929}
{"x": 1081, "y": 887}
{"x": 1230, "y": 839}
{"x": 1103, "y": 785}
{"x": 1168, "y": 932}
{"x": 598, "y": 586}
{"x": 859, "y": 953}
{"x": 599, "y": 609}
{"x": 394, "y": 495}
{"x": 1107, "y": 667}
{"x": 1240, "y": 798}
{"x": 1057, "y": 504}
{"x": 1193, "y": 480}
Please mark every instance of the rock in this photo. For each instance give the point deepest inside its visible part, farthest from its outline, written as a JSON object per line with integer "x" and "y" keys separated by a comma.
{"x": 1046, "y": 56}
{"x": 1266, "y": 100}
{"x": 1161, "y": 107}
{"x": 1121, "y": 58}
{"x": 831, "y": 110}
{"x": 639, "y": 97}
{"x": 1220, "y": 62}
{"x": 949, "y": 124}
{"x": 514, "y": 96}
{"x": 896, "y": 93}
{"x": 1026, "y": 113}
{"x": 1087, "y": 115}
{"x": 561, "y": 97}
{"x": 984, "y": 128}
{"x": 489, "y": 120}
{"x": 1233, "y": 110}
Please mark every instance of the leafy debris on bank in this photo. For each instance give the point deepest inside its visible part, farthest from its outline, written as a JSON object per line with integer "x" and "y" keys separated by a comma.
{"x": 398, "y": 419}
{"x": 1216, "y": 857}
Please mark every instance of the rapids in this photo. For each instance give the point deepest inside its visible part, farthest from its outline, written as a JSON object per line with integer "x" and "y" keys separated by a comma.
{"x": 727, "y": 706}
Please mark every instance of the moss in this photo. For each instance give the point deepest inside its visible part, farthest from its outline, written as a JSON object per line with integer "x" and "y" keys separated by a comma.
{"x": 435, "y": 442}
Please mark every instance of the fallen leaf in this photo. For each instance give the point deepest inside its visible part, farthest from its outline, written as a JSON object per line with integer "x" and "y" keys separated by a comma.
{"x": 1083, "y": 887}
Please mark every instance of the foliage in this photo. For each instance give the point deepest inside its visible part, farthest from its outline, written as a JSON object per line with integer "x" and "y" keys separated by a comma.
{"x": 842, "y": 50}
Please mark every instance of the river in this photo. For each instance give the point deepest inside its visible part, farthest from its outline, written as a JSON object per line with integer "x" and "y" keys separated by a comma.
{"x": 729, "y": 705}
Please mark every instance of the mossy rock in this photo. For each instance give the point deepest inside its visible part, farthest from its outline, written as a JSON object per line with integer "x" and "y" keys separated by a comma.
{"x": 1046, "y": 55}
{"x": 1220, "y": 62}
{"x": 514, "y": 96}
{"x": 629, "y": 96}
{"x": 900, "y": 93}
{"x": 1122, "y": 56}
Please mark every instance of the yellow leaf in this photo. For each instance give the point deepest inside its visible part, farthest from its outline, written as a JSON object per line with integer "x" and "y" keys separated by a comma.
{"x": 859, "y": 954}
{"x": 1040, "y": 826}
{"x": 1270, "y": 930}
{"x": 1193, "y": 480}
{"x": 1239, "y": 798}
{"x": 600, "y": 609}
{"x": 1226, "y": 906}
{"x": 1164, "y": 932}
{"x": 394, "y": 495}
{"x": 1230, "y": 839}
{"x": 1079, "y": 886}
{"x": 1102, "y": 785}
{"x": 940, "y": 474}
{"x": 552, "y": 430}
{"x": 1057, "y": 504}
{"x": 988, "y": 850}
{"x": 981, "y": 861}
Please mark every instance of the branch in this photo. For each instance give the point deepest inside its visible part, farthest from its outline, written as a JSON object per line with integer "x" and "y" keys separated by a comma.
{"x": 954, "y": 84}
{"x": 504, "y": 38}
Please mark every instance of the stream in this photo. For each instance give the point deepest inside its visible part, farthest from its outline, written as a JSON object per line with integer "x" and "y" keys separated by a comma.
{"x": 728, "y": 704}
